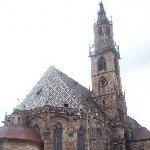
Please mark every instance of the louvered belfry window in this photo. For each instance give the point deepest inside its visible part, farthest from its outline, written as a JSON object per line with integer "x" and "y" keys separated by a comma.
{"x": 58, "y": 137}
{"x": 81, "y": 139}
{"x": 101, "y": 63}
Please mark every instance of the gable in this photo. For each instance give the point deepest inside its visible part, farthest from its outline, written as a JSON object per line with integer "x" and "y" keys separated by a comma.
{"x": 57, "y": 89}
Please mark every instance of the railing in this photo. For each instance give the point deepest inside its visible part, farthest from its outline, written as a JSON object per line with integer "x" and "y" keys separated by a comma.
{"x": 93, "y": 51}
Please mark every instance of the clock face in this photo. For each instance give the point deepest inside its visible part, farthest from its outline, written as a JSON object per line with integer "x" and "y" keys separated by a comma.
{"x": 103, "y": 82}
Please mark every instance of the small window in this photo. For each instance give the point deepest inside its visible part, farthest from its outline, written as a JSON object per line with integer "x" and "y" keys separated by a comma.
{"x": 19, "y": 120}
{"x": 66, "y": 105}
{"x": 39, "y": 92}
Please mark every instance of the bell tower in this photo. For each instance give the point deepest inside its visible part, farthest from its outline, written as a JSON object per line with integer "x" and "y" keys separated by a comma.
{"x": 105, "y": 70}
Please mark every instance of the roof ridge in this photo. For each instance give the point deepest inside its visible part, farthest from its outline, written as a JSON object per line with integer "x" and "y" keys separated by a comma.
{"x": 69, "y": 77}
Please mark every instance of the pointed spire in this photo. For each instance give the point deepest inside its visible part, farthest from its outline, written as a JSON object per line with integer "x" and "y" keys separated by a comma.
{"x": 102, "y": 18}
{"x": 101, "y": 10}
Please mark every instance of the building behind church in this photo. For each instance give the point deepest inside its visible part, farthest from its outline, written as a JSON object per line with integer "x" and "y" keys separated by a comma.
{"x": 61, "y": 114}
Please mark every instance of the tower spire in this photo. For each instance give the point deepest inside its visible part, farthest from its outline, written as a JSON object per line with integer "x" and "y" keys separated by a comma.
{"x": 105, "y": 70}
{"x": 102, "y": 18}
{"x": 101, "y": 9}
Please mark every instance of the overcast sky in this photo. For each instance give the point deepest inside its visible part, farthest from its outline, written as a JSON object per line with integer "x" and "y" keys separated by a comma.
{"x": 35, "y": 34}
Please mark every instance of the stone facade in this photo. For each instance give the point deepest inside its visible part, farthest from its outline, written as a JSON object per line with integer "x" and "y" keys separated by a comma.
{"x": 67, "y": 116}
{"x": 71, "y": 120}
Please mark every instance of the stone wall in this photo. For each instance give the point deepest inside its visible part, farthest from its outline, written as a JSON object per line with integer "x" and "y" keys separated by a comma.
{"x": 70, "y": 122}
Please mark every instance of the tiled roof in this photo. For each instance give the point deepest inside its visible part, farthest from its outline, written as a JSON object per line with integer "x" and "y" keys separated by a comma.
{"x": 19, "y": 132}
{"x": 56, "y": 89}
{"x": 140, "y": 134}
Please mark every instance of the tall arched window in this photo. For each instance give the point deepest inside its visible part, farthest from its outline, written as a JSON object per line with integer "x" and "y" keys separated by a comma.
{"x": 58, "y": 136}
{"x": 98, "y": 134}
{"x": 107, "y": 30}
{"x": 81, "y": 139}
{"x": 36, "y": 128}
{"x": 101, "y": 63}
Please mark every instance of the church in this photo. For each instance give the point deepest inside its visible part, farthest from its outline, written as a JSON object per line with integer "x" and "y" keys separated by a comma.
{"x": 61, "y": 114}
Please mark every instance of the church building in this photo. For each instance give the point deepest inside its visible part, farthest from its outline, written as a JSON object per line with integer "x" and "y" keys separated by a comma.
{"x": 61, "y": 114}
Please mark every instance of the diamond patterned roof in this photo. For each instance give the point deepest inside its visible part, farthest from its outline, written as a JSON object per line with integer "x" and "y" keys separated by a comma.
{"x": 56, "y": 89}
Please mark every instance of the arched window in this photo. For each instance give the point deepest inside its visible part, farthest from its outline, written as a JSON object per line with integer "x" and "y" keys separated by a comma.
{"x": 81, "y": 139}
{"x": 101, "y": 63}
{"x": 107, "y": 30}
{"x": 58, "y": 136}
{"x": 98, "y": 134}
{"x": 36, "y": 128}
